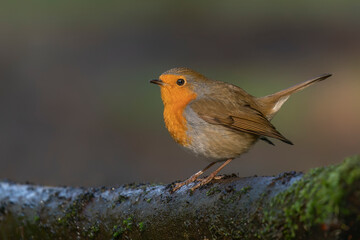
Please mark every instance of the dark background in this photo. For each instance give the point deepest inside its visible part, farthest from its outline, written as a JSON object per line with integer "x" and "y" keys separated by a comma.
{"x": 77, "y": 107}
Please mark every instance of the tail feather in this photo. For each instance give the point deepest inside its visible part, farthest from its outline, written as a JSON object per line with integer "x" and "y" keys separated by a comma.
{"x": 272, "y": 103}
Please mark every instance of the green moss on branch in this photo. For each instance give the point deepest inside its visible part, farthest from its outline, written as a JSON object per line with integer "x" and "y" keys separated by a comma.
{"x": 321, "y": 201}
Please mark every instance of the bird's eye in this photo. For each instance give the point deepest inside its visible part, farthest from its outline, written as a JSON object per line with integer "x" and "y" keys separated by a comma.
{"x": 180, "y": 82}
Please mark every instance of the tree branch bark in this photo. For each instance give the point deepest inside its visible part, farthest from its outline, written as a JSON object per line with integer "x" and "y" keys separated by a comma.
{"x": 324, "y": 203}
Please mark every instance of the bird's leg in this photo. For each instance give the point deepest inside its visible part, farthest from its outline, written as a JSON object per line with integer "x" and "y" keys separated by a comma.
{"x": 212, "y": 175}
{"x": 192, "y": 178}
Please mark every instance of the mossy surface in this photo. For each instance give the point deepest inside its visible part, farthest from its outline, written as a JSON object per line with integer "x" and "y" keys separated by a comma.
{"x": 320, "y": 201}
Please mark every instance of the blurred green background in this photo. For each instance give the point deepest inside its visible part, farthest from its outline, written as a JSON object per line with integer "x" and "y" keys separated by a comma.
{"x": 77, "y": 107}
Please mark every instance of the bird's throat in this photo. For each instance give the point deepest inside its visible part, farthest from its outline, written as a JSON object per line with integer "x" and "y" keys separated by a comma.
{"x": 174, "y": 114}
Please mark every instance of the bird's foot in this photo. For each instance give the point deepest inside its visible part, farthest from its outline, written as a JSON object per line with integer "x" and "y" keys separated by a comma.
{"x": 206, "y": 180}
{"x": 211, "y": 176}
{"x": 189, "y": 180}
{"x": 203, "y": 181}
{"x": 217, "y": 177}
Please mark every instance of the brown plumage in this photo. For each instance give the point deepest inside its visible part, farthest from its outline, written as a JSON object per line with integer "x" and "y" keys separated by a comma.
{"x": 217, "y": 120}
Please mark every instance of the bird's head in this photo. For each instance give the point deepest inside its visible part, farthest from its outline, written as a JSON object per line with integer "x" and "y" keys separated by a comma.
{"x": 179, "y": 85}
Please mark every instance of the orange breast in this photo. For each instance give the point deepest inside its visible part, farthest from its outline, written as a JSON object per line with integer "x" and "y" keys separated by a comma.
{"x": 175, "y": 100}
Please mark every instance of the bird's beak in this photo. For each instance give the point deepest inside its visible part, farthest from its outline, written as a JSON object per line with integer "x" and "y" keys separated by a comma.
{"x": 157, "y": 81}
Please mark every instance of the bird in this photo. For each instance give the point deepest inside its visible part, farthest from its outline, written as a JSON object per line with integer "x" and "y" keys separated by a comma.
{"x": 217, "y": 120}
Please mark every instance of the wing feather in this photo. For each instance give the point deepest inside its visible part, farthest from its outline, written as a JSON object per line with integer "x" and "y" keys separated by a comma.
{"x": 238, "y": 116}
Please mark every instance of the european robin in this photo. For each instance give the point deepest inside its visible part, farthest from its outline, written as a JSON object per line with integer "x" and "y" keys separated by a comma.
{"x": 218, "y": 120}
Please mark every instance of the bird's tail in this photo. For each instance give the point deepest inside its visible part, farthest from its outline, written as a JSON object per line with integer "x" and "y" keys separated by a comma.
{"x": 272, "y": 103}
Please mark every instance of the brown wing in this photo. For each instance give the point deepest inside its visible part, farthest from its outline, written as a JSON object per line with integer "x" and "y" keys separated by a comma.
{"x": 242, "y": 118}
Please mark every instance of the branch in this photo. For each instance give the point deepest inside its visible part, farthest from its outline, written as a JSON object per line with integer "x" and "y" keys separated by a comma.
{"x": 324, "y": 203}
